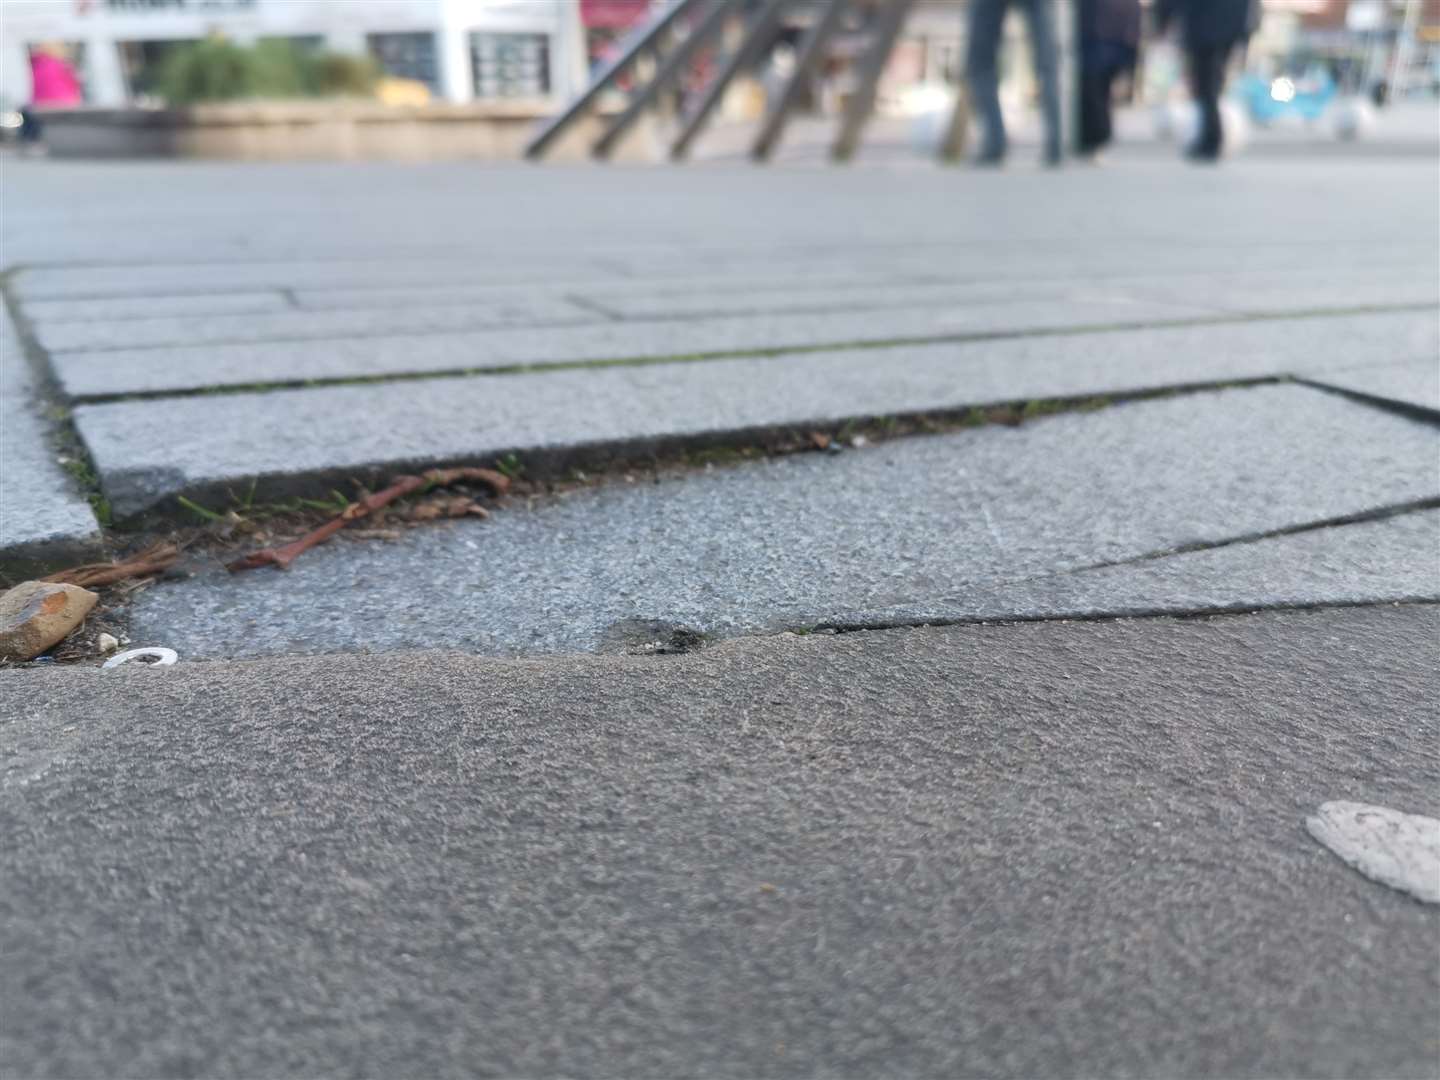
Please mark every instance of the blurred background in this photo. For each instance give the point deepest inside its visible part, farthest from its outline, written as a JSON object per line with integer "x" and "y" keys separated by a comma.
{"x": 471, "y": 79}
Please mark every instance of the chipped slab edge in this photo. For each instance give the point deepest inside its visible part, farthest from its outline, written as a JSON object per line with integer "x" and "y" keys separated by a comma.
{"x": 1388, "y": 846}
{"x": 36, "y": 558}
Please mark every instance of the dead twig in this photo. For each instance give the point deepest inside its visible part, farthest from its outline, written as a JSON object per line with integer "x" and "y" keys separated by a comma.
{"x": 399, "y": 487}
{"x": 155, "y": 559}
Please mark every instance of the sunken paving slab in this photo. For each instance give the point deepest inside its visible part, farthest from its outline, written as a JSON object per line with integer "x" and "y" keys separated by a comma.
{"x": 801, "y": 540}
{"x": 147, "y": 451}
{"x": 1390, "y": 560}
{"x": 852, "y": 855}
{"x": 160, "y": 370}
{"x": 1416, "y": 384}
{"x": 42, "y": 516}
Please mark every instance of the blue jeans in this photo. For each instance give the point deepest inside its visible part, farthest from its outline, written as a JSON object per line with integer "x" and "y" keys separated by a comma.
{"x": 987, "y": 19}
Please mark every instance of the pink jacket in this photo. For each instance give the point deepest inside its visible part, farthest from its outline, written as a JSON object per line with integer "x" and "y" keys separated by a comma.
{"x": 53, "y": 81}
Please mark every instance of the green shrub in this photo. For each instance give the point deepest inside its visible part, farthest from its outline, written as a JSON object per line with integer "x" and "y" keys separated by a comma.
{"x": 209, "y": 70}
{"x": 341, "y": 75}
{"x": 278, "y": 70}
{"x": 220, "y": 70}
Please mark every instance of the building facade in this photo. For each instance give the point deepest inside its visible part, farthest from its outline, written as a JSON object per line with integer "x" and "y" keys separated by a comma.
{"x": 462, "y": 50}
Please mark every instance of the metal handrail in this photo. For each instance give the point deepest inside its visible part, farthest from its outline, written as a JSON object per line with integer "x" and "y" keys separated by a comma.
{"x": 671, "y": 67}
{"x": 637, "y": 43}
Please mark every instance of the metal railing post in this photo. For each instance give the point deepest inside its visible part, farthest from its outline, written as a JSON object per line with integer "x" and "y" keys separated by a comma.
{"x": 759, "y": 35}
{"x": 811, "y": 50}
{"x": 637, "y": 43}
{"x": 710, "y": 24}
{"x": 862, "y": 102}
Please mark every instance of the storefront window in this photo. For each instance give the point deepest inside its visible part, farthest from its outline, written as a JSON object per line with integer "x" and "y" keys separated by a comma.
{"x": 407, "y": 56}
{"x": 510, "y": 65}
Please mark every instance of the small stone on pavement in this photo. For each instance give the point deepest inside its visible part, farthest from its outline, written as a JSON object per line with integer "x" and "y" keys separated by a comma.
{"x": 1395, "y": 849}
{"x": 35, "y": 615}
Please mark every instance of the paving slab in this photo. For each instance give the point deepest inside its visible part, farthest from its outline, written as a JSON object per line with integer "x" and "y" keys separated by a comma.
{"x": 150, "y": 306}
{"x": 683, "y": 283}
{"x": 192, "y": 331}
{"x": 1416, "y": 384}
{"x": 42, "y": 516}
{"x": 147, "y": 451}
{"x": 158, "y": 370}
{"x": 1300, "y": 212}
{"x": 1040, "y": 850}
{"x": 807, "y": 539}
{"x": 1245, "y": 293}
{"x": 1392, "y": 560}
{"x": 199, "y": 276}
{"x": 1356, "y": 291}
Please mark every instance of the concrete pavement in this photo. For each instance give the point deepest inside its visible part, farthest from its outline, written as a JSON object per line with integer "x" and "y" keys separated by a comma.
{"x": 44, "y": 517}
{"x": 1039, "y": 850}
{"x": 988, "y": 522}
{"x": 576, "y": 313}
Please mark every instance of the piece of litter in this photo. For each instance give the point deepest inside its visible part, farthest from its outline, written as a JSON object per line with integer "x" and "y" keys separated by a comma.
{"x": 107, "y": 643}
{"x": 158, "y": 657}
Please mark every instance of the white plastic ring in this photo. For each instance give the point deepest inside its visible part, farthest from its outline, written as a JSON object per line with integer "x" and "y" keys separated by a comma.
{"x": 157, "y": 657}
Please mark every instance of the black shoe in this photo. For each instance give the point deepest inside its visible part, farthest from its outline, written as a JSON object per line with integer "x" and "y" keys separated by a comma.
{"x": 1203, "y": 155}
{"x": 991, "y": 158}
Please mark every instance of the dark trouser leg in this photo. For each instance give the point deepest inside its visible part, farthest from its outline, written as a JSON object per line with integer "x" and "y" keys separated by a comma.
{"x": 1100, "y": 63}
{"x": 1207, "y": 79}
{"x": 30, "y": 127}
{"x": 987, "y": 17}
{"x": 1047, "y": 71}
{"x": 1094, "y": 103}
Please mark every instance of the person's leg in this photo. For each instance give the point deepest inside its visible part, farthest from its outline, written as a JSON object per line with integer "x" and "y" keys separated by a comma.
{"x": 1207, "y": 78}
{"x": 1118, "y": 60}
{"x": 1107, "y": 103}
{"x": 1092, "y": 89}
{"x": 29, "y": 127}
{"x": 987, "y": 18}
{"x": 1047, "y": 72}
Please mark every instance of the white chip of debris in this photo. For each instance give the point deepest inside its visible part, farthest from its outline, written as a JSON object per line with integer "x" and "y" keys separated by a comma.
{"x": 1396, "y": 849}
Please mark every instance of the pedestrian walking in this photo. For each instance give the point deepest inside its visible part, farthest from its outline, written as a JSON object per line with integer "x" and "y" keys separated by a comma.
{"x": 52, "y": 85}
{"x": 1109, "y": 47}
{"x": 987, "y": 20}
{"x": 1210, "y": 31}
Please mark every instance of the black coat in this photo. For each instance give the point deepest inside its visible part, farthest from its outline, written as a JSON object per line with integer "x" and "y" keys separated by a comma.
{"x": 1210, "y": 22}
{"x": 1116, "y": 21}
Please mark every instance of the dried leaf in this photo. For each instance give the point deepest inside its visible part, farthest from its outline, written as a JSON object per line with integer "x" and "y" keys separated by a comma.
{"x": 497, "y": 482}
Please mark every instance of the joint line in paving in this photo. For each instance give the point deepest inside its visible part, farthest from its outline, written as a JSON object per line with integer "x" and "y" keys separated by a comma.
{"x": 860, "y": 626}
{"x": 1374, "y": 401}
{"x": 540, "y": 366}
